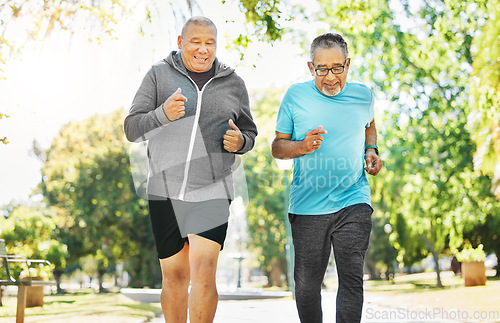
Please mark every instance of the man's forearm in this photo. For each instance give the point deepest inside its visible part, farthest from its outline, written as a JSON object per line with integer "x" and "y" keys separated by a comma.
{"x": 371, "y": 135}
{"x": 286, "y": 148}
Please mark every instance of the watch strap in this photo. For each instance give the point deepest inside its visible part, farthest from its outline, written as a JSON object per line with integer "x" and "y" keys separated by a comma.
{"x": 372, "y": 146}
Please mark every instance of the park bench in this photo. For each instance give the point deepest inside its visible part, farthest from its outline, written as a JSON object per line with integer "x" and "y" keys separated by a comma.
{"x": 21, "y": 284}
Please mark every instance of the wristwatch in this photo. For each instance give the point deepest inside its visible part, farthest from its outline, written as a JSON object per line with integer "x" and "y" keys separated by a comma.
{"x": 372, "y": 146}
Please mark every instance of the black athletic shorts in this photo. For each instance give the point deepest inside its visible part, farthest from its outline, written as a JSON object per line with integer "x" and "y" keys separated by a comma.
{"x": 172, "y": 220}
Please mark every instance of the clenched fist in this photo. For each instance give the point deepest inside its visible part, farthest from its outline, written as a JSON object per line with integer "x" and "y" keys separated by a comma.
{"x": 174, "y": 106}
{"x": 233, "y": 139}
{"x": 373, "y": 162}
{"x": 313, "y": 140}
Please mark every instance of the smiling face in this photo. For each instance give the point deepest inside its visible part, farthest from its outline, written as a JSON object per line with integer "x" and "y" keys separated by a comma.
{"x": 330, "y": 84}
{"x": 198, "y": 46}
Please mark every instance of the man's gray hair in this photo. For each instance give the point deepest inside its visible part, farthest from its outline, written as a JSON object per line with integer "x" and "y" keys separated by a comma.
{"x": 199, "y": 21}
{"x": 329, "y": 40}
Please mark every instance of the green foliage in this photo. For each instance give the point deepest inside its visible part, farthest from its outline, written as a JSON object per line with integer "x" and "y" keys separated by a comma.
{"x": 381, "y": 255}
{"x": 266, "y": 210}
{"x": 264, "y": 16}
{"x": 87, "y": 180}
{"x": 56, "y": 254}
{"x": 83, "y": 305}
{"x": 486, "y": 232}
{"x": 266, "y": 21}
{"x": 29, "y": 232}
{"x": 484, "y": 119}
{"x": 469, "y": 254}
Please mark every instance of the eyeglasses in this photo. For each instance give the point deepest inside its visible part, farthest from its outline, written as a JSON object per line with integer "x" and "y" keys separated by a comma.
{"x": 335, "y": 70}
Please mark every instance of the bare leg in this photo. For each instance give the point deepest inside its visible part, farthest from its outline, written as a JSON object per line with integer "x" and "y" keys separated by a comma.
{"x": 175, "y": 283}
{"x": 203, "y": 257}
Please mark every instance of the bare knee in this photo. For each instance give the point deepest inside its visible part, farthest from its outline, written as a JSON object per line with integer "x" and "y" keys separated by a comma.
{"x": 203, "y": 272}
{"x": 203, "y": 257}
{"x": 176, "y": 278}
{"x": 175, "y": 269}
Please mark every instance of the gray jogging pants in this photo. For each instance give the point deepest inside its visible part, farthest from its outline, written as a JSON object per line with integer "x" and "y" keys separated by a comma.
{"x": 348, "y": 232}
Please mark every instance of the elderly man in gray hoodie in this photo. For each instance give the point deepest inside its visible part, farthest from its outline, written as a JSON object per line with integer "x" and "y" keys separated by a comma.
{"x": 194, "y": 113}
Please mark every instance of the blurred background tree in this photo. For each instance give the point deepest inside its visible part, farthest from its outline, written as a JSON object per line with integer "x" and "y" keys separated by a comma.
{"x": 484, "y": 118}
{"x": 381, "y": 255}
{"x": 266, "y": 210}
{"x": 29, "y": 231}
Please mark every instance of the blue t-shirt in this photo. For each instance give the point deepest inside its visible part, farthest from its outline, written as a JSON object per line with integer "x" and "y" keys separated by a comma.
{"x": 332, "y": 177}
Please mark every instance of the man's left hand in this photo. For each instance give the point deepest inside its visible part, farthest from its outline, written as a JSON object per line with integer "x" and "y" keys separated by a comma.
{"x": 233, "y": 139}
{"x": 373, "y": 162}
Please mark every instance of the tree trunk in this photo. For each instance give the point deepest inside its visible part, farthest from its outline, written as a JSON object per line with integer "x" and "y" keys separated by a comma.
{"x": 57, "y": 278}
{"x": 391, "y": 271}
{"x": 136, "y": 275}
{"x": 1, "y": 296}
{"x": 372, "y": 271}
{"x": 435, "y": 256}
{"x": 100, "y": 278}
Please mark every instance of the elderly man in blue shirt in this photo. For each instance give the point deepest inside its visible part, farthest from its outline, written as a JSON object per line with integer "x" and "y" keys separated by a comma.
{"x": 327, "y": 126}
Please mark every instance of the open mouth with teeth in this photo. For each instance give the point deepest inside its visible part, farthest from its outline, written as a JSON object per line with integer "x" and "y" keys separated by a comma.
{"x": 201, "y": 59}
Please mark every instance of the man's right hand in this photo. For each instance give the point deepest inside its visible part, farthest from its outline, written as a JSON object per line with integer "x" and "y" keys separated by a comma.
{"x": 313, "y": 139}
{"x": 174, "y": 106}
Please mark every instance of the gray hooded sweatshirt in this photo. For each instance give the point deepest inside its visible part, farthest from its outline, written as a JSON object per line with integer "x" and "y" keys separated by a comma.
{"x": 187, "y": 160}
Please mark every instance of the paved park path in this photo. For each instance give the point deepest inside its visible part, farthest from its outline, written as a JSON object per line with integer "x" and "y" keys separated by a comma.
{"x": 284, "y": 311}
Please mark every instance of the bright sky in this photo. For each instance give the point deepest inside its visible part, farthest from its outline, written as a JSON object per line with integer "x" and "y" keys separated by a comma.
{"x": 71, "y": 80}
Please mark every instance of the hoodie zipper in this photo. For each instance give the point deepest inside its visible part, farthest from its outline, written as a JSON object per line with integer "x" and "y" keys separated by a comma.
{"x": 182, "y": 191}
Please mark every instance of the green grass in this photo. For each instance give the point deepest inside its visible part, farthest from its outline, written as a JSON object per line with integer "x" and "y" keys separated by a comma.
{"x": 425, "y": 281}
{"x": 415, "y": 282}
{"x": 82, "y": 304}
{"x": 470, "y": 300}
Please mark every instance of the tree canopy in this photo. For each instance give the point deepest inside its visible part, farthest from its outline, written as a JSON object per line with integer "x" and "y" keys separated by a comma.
{"x": 484, "y": 119}
{"x": 266, "y": 209}
{"x": 29, "y": 231}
